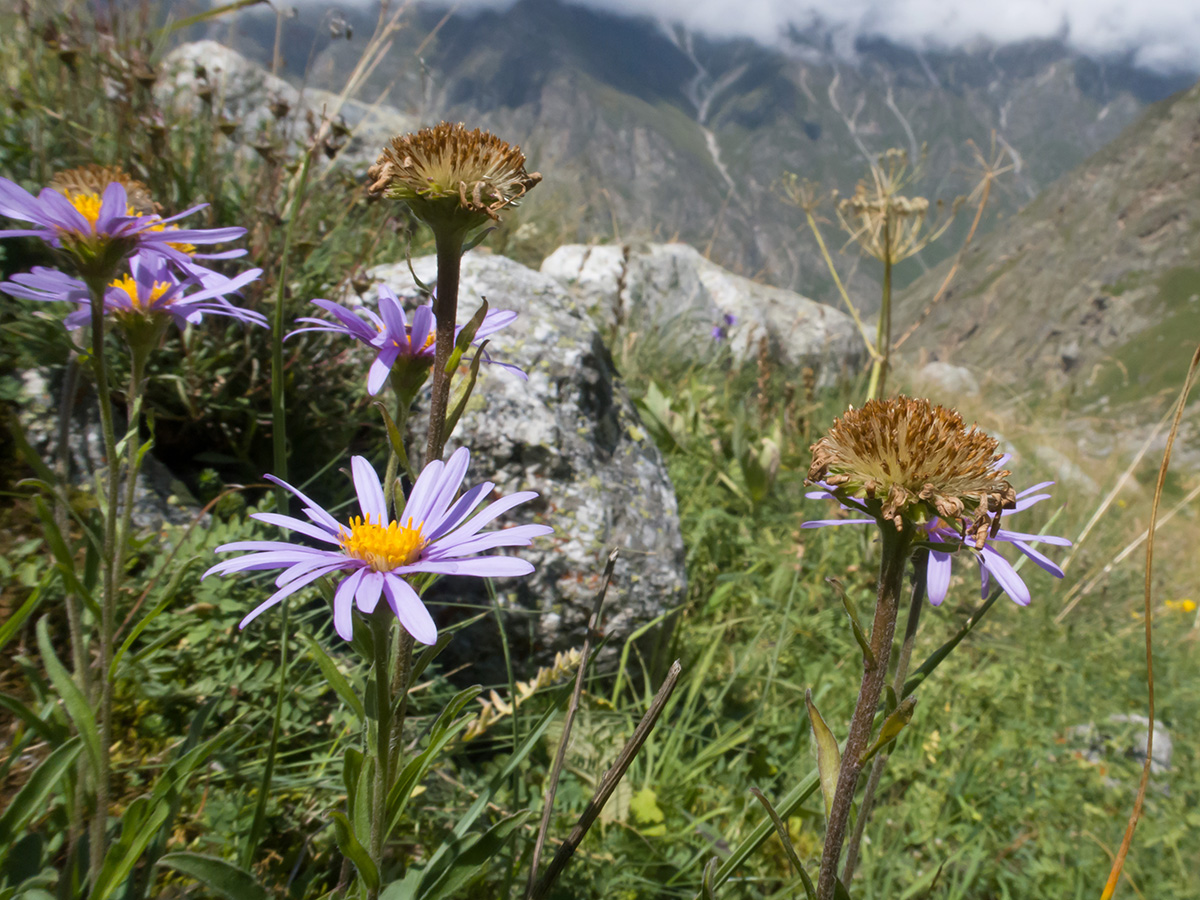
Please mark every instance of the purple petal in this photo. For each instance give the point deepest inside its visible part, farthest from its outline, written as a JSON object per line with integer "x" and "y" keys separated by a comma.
{"x": 1005, "y": 535}
{"x": 377, "y": 375}
{"x": 409, "y": 609}
{"x": 479, "y": 566}
{"x": 1009, "y": 580}
{"x": 343, "y": 605}
{"x": 466, "y": 503}
{"x": 937, "y": 576}
{"x": 422, "y": 325}
{"x": 423, "y": 492}
{"x": 314, "y": 511}
{"x": 518, "y": 536}
{"x": 451, "y": 480}
{"x": 370, "y": 492}
{"x": 822, "y": 523}
{"x": 368, "y": 592}
{"x": 281, "y": 521}
{"x": 494, "y": 511}
{"x": 278, "y": 597}
{"x": 1041, "y": 559}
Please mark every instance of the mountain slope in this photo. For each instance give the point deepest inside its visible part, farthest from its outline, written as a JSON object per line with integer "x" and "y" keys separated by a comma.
{"x": 645, "y": 130}
{"x": 1092, "y": 293}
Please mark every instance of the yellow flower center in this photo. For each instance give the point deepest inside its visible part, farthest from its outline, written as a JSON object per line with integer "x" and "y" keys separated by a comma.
{"x": 88, "y": 206}
{"x": 383, "y": 549}
{"x": 129, "y": 286}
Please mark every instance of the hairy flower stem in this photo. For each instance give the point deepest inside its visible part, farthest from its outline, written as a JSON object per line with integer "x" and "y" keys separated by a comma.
{"x": 445, "y": 311}
{"x": 895, "y": 544}
{"x": 920, "y": 560}
{"x": 98, "y": 838}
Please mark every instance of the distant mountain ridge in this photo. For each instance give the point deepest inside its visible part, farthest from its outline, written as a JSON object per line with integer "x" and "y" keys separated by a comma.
{"x": 648, "y": 131}
{"x": 1092, "y": 293}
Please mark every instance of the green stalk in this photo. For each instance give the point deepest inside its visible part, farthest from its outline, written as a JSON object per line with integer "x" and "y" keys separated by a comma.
{"x": 98, "y": 837}
{"x": 895, "y": 551}
{"x": 383, "y": 744}
{"x": 278, "y": 409}
{"x": 920, "y": 570}
{"x": 445, "y": 310}
{"x": 138, "y": 355}
{"x": 883, "y": 338}
{"x": 264, "y": 784}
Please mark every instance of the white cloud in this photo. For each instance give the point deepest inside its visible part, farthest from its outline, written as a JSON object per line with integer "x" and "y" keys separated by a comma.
{"x": 1159, "y": 34}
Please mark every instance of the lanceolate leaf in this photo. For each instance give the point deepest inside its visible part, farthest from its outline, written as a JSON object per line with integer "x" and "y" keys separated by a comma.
{"x": 336, "y": 679}
{"x": 354, "y": 851}
{"x": 892, "y": 726}
{"x": 31, "y": 799}
{"x": 218, "y": 875}
{"x": 829, "y": 757}
{"x": 77, "y": 707}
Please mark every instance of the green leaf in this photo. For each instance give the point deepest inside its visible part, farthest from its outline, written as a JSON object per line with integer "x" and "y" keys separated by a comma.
{"x": 219, "y": 875}
{"x": 829, "y": 757}
{"x": 336, "y": 679}
{"x": 855, "y": 623}
{"x": 892, "y": 726}
{"x": 53, "y": 732}
{"x": 707, "y": 888}
{"x": 395, "y": 439}
{"x": 463, "y": 342}
{"x": 644, "y": 806}
{"x": 17, "y": 619}
{"x": 447, "y": 726}
{"x": 31, "y": 799}
{"x": 135, "y": 633}
{"x": 464, "y": 393}
{"x": 64, "y": 560}
{"x": 470, "y": 856}
{"x": 354, "y": 851}
{"x": 138, "y": 826}
{"x": 786, "y": 840}
{"x": 78, "y": 708}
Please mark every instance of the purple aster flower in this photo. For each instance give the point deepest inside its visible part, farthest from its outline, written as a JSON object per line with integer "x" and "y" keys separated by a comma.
{"x": 391, "y": 334}
{"x": 149, "y": 290}
{"x": 961, "y": 535}
{"x": 718, "y": 333}
{"x": 729, "y": 319}
{"x": 373, "y": 556}
{"x": 98, "y": 229}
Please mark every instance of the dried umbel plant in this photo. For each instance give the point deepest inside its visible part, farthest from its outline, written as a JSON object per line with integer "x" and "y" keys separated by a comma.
{"x": 450, "y": 176}
{"x": 886, "y": 224}
{"x": 909, "y": 461}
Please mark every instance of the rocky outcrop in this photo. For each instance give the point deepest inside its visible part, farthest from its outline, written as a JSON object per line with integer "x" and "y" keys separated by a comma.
{"x": 266, "y": 108}
{"x": 570, "y": 433}
{"x": 687, "y": 302}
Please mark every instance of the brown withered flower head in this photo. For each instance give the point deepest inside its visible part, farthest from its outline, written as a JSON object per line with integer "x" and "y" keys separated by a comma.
{"x": 452, "y": 177}
{"x": 904, "y": 459}
{"x": 91, "y": 180}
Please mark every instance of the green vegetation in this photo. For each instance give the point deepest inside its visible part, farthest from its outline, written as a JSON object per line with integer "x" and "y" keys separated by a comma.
{"x": 988, "y": 794}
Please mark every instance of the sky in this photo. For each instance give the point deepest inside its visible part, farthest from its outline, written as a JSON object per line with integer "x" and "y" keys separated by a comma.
{"x": 1162, "y": 35}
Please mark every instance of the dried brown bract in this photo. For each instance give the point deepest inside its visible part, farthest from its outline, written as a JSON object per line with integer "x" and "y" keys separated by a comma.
{"x": 93, "y": 179}
{"x": 448, "y": 171}
{"x": 908, "y": 459}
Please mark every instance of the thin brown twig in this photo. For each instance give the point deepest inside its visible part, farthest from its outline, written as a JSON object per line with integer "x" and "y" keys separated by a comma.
{"x": 608, "y": 784}
{"x": 1119, "y": 863}
{"x": 593, "y": 629}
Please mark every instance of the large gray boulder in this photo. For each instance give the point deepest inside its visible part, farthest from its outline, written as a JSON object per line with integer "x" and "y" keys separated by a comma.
{"x": 247, "y": 94}
{"x": 570, "y": 433}
{"x": 670, "y": 291}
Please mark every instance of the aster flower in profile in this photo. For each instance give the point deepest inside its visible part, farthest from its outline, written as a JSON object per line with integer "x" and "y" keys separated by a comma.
{"x": 452, "y": 178}
{"x": 908, "y": 460}
{"x": 907, "y": 463}
{"x": 395, "y": 338}
{"x": 374, "y": 557}
{"x": 151, "y": 294}
{"x": 99, "y": 227}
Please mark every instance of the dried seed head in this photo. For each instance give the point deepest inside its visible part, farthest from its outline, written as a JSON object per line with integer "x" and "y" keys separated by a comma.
{"x": 93, "y": 179}
{"x": 910, "y": 460}
{"x": 452, "y": 177}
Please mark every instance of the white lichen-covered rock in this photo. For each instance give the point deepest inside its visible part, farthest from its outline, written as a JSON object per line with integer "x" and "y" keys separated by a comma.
{"x": 244, "y": 92}
{"x": 944, "y": 383}
{"x": 674, "y": 293}
{"x": 570, "y": 433}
